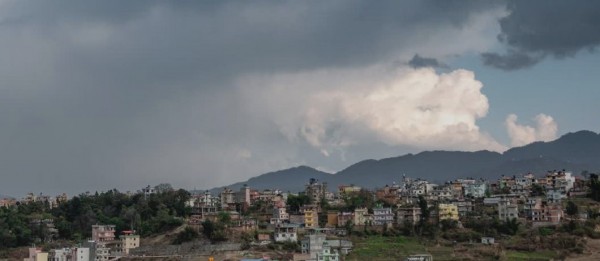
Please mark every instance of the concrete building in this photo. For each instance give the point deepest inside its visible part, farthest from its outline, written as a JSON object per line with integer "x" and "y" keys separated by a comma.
{"x": 227, "y": 199}
{"x": 410, "y": 215}
{"x": 280, "y": 216}
{"x": 382, "y": 216}
{"x": 327, "y": 254}
{"x": 447, "y": 211}
{"x": 285, "y": 232}
{"x": 476, "y": 190}
{"x": 128, "y": 241}
{"x": 507, "y": 210}
{"x": 316, "y": 191}
{"x": 344, "y": 217}
{"x": 103, "y": 233}
{"x": 311, "y": 218}
{"x": 360, "y": 216}
{"x": 36, "y": 254}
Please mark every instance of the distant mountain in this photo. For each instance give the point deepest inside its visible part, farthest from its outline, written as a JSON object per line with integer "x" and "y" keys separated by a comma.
{"x": 285, "y": 180}
{"x": 575, "y": 152}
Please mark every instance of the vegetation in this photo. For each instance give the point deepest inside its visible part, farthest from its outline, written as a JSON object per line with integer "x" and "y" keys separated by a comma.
{"x": 188, "y": 234}
{"x": 21, "y": 225}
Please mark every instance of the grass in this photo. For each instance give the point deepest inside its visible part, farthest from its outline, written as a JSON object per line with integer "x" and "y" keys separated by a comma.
{"x": 394, "y": 248}
{"x": 533, "y": 256}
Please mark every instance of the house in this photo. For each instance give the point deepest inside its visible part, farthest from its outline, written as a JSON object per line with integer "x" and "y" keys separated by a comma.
{"x": 546, "y": 214}
{"x": 332, "y": 218}
{"x": 507, "y": 210}
{"x": 447, "y": 212}
{"x": 36, "y": 254}
{"x": 311, "y": 218}
{"x": 487, "y": 240}
{"x": 129, "y": 241}
{"x": 382, "y": 216}
{"x": 476, "y": 190}
{"x": 327, "y": 254}
{"x": 410, "y": 215}
{"x": 285, "y": 232}
{"x": 280, "y": 215}
{"x": 316, "y": 191}
{"x": 344, "y": 217}
{"x": 360, "y": 216}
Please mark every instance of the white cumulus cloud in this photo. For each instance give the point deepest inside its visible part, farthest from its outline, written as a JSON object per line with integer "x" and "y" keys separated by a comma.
{"x": 545, "y": 130}
{"x": 334, "y": 109}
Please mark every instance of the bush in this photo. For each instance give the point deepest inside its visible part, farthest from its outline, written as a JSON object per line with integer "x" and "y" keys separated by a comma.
{"x": 188, "y": 234}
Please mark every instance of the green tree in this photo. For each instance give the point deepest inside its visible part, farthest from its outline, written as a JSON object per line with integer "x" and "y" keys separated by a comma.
{"x": 572, "y": 208}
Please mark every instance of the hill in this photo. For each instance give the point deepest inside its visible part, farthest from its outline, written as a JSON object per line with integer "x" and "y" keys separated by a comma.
{"x": 575, "y": 152}
{"x": 286, "y": 180}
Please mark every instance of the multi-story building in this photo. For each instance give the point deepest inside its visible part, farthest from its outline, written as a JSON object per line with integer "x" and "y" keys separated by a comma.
{"x": 103, "y": 233}
{"x": 447, "y": 211}
{"x": 128, "y": 241}
{"x": 507, "y": 210}
{"x": 332, "y": 218}
{"x": 285, "y": 232}
{"x": 327, "y": 254}
{"x": 311, "y": 218}
{"x": 344, "y": 217}
{"x": 410, "y": 215}
{"x": 316, "y": 191}
{"x": 382, "y": 216}
{"x": 227, "y": 197}
{"x": 476, "y": 190}
{"x": 360, "y": 216}
{"x": 280, "y": 215}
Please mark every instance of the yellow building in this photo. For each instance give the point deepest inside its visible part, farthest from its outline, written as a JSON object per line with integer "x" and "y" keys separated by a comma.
{"x": 447, "y": 211}
{"x": 311, "y": 218}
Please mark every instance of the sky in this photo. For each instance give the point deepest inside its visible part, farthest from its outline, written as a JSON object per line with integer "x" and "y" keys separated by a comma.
{"x": 96, "y": 95}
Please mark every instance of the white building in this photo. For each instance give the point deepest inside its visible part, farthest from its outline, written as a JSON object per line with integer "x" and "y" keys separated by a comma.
{"x": 382, "y": 216}
{"x": 285, "y": 233}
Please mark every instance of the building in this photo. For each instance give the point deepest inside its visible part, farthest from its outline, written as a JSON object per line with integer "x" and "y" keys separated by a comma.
{"x": 410, "y": 215}
{"x": 360, "y": 216}
{"x": 103, "y": 233}
{"x": 344, "y": 218}
{"x": 507, "y": 210}
{"x": 147, "y": 191}
{"x": 447, "y": 212}
{"x": 227, "y": 199}
{"x": 311, "y": 218}
{"x": 382, "y": 216}
{"x": 476, "y": 190}
{"x": 332, "y": 218}
{"x": 280, "y": 215}
{"x": 327, "y": 254}
{"x": 129, "y": 241}
{"x": 316, "y": 191}
{"x": 36, "y": 254}
{"x": 285, "y": 232}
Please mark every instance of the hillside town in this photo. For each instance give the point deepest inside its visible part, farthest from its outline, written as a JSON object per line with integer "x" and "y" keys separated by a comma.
{"x": 317, "y": 223}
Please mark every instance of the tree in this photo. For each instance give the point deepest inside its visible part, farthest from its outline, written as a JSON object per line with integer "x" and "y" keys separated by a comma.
{"x": 295, "y": 202}
{"x": 594, "y": 186}
{"x": 537, "y": 190}
{"x": 572, "y": 208}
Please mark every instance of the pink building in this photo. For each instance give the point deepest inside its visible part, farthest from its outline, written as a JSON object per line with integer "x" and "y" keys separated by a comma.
{"x": 103, "y": 233}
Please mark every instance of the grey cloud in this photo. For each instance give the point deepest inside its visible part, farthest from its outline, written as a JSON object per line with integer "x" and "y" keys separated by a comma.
{"x": 419, "y": 62}
{"x": 510, "y": 61}
{"x": 120, "y": 94}
{"x": 534, "y": 30}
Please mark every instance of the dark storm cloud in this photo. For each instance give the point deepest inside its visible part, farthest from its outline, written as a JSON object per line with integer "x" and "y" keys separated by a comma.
{"x": 117, "y": 93}
{"x": 419, "y": 62}
{"x": 534, "y": 30}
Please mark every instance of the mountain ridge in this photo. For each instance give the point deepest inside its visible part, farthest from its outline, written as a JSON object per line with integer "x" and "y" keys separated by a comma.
{"x": 574, "y": 151}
